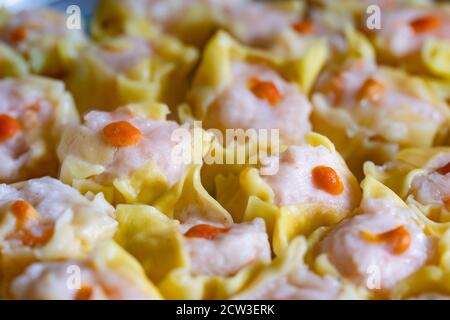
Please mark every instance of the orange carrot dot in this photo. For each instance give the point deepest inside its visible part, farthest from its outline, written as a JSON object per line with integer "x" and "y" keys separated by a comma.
{"x": 205, "y": 231}
{"x": 18, "y": 34}
{"x": 40, "y": 235}
{"x": 8, "y": 127}
{"x": 303, "y": 27}
{"x": 444, "y": 170}
{"x": 447, "y": 203}
{"x": 425, "y": 24}
{"x": 399, "y": 238}
{"x": 84, "y": 293}
{"x": 265, "y": 90}
{"x": 24, "y": 212}
{"x": 121, "y": 134}
{"x": 327, "y": 179}
{"x": 371, "y": 90}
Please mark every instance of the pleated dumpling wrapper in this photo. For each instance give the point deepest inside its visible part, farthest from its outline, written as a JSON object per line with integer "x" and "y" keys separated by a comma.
{"x": 12, "y": 63}
{"x": 382, "y": 244}
{"x": 131, "y": 69}
{"x": 289, "y": 278}
{"x": 188, "y": 199}
{"x": 43, "y": 39}
{"x": 109, "y": 273}
{"x": 196, "y": 259}
{"x": 417, "y": 38}
{"x": 33, "y": 112}
{"x": 131, "y": 154}
{"x": 236, "y": 87}
{"x": 303, "y": 188}
{"x": 44, "y": 219}
{"x": 371, "y": 112}
{"x": 420, "y": 177}
{"x": 194, "y": 21}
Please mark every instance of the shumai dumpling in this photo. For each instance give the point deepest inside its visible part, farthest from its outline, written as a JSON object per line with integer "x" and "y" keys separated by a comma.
{"x": 430, "y": 282}
{"x": 223, "y": 250}
{"x": 420, "y": 177}
{"x": 43, "y": 219}
{"x": 196, "y": 258}
{"x": 33, "y": 111}
{"x": 289, "y": 278}
{"x": 110, "y": 273}
{"x": 235, "y": 88}
{"x": 193, "y": 21}
{"x": 371, "y": 112}
{"x": 417, "y": 38}
{"x": 131, "y": 69}
{"x": 125, "y": 153}
{"x": 42, "y": 37}
{"x": 319, "y": 25}
{"x": 305, "y": 187}
{"x": 381, "y": 245}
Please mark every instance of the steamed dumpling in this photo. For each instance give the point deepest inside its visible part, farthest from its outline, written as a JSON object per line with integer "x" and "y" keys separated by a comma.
{"x": 382, "y": 245}
{"x": 223, "y": 250}
{"x": 259, "y": 98}
{"x": 52, "y": 220}
{"x": 32, "y": 113}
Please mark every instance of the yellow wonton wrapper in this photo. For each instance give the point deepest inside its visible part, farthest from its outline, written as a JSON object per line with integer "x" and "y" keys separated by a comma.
{"x": 188, "y": 197}
{"x": 195, "y": 24}
{"x": 399, "y": 174}
{"x": 111, "y": 256}
{"x": 247, "y": 196}
{"x": 160, "y": 76}
{"x": 11, "y": 63}
{"x": 156, "y": 242}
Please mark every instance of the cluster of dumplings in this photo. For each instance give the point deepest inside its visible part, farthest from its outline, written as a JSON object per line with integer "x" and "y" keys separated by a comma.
{"x": 357, "y": 208}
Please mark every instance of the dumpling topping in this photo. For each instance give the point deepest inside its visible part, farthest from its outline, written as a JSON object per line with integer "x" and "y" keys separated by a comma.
{"x": 205, "y": 231}
{"x": 327, "y": 179}
{"x": 265, "y": 90}
{"x": 399, "y": 238}
{"x": 303, "y": 27}
{"x": 121, "y": 134}
{"x": 8, "y": 127}
{"x": 425, "y": 24}
{"x": 371, "y": 90}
